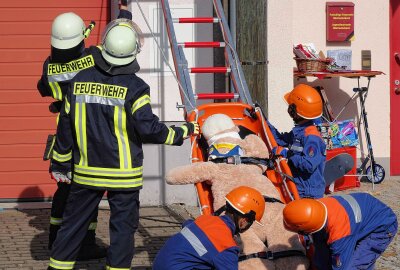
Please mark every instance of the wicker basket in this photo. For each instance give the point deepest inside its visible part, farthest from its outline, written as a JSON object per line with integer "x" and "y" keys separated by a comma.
{"x": 311, "y": 64}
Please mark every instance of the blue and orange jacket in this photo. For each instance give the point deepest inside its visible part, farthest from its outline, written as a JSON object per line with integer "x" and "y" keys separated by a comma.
{"x": 308, "y": 160}
{"x": 350, "y": 218}
{"x": 205, "y": 243}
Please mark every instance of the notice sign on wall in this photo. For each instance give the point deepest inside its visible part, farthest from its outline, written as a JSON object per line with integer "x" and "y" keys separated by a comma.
{"x": 339, "y": 21}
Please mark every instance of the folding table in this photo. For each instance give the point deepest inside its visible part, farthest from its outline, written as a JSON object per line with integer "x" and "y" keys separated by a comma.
{"x": 374, "y": 172}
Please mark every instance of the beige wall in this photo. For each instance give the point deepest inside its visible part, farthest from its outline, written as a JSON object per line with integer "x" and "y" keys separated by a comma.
{"x": 303, "y": 21}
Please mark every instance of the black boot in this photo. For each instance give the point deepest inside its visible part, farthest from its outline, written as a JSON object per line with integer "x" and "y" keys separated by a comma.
{"x": 89, "y": 248}
{"x": 52, "y": 235}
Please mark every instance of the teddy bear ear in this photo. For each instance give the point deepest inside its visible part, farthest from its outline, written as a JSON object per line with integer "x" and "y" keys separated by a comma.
{"x": 215, "y": 124}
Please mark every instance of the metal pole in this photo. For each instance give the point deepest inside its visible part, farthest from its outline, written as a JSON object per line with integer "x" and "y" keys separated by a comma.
{"x": 232, "y": 20}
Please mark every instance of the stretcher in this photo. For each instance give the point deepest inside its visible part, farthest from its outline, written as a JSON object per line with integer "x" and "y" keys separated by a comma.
{"x": 238, "y": 103}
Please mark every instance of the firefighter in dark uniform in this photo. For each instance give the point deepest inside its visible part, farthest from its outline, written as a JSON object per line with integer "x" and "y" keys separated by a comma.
{"x": 68, "y": 57}
{"x": 105, "y": 119}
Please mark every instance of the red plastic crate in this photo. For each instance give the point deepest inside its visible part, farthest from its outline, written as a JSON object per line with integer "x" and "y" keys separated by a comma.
{"x": 348, "y": 181}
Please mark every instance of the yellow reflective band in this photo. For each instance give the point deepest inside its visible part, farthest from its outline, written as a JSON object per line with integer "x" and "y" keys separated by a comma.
{"x": 92, "y": 226}
{"x": 115, "y": 268}
{"x": 170, "y": 137}
{"x": 126, "y": 140}
{"x": 62, "y": 157}
{"x": 108, "y": 172}
{"x": 185, "y": 131}
{"x": 80, "y": 127}
{"x": 126, "y": 25}
{"x": 53, "y": 140}
{"x": 140, "y": 102}
{"x": 55, "y": 221}
{"x": 100, "y": 90}
{"x": 57, "y": 119}
{"x": 125, "y": 161}
{"x": 56, "y": 90}
{"x": 119, "y": 139}
{"x": 63, "y": 265}
{"x": 108, "y": 183}
{"x": 73, "y": 66}
{"x": 67, "y": 106}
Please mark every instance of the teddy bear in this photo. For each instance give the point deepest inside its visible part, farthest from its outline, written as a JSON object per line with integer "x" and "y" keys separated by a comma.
{"x": 224, "y": 141}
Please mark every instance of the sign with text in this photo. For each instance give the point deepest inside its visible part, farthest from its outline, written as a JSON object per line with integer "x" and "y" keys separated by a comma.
{"x": 339, "y": 21}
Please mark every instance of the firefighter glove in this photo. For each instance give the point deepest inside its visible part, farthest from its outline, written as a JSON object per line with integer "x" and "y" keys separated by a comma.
{"x": 60, "y": 177}
{"x": 193, "y": 128}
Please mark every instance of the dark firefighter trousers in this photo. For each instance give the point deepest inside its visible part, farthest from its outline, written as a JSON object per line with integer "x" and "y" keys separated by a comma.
{"x": 81, "y": 207}
{"x": 57, "y": 211}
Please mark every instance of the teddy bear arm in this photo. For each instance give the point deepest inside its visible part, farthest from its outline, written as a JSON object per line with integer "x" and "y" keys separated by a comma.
{"x": 191, "y": 174}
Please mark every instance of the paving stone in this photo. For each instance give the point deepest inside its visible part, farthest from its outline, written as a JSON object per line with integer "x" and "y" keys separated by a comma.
{"x": 24, "y": 234}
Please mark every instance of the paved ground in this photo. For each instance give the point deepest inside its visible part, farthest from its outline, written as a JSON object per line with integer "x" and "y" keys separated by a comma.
{"x": 24, "y": 229}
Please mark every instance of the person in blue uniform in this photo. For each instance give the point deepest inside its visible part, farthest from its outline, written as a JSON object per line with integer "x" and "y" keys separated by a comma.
{"x": 303, "y": 146}
{"x": 68, "y": 57}
{"x": 207, "y": 242}
{"x": 349, "y": 231}
{"x": 105, "y": 119}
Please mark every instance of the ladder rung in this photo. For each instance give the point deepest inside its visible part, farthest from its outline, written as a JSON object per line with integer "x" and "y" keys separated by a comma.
{"x": 217, "y": 96}
{"x": 202, "y": 44}
{"x": 196, "y": 20}
{"x": 209, "y": 70}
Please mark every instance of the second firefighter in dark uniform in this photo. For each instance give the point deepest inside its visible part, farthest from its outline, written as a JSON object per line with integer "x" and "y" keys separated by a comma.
{"x": 68, "y": 57}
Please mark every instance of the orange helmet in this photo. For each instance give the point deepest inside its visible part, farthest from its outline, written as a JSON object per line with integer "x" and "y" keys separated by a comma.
{"x": 307, "y": 100}
{"x": 304, "y": 216}
{"x": 246, "y": 200}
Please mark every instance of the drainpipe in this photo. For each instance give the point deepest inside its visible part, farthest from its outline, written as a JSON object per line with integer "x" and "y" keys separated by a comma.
{"x": 232, "y": 19}
{"x": 114, "y": 9}
{"x": 232, "y": 27}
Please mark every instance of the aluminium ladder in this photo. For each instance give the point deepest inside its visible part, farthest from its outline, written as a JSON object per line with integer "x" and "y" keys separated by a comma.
{"x": 233, "y": 66}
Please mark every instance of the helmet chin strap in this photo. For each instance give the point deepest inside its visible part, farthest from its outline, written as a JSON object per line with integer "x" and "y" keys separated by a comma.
{"x": 236, "y": 221}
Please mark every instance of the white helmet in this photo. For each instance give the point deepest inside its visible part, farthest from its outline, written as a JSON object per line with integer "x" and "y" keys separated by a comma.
{"x": 121, "y": 42}
{"x": 218, "y": 124}
{"x": 67, "y": 31}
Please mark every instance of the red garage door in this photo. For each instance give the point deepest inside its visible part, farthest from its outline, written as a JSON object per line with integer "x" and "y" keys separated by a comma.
{"x": 25, "y": 27}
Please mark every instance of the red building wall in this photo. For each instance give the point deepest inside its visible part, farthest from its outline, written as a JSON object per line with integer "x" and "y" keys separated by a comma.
{"x": 25, "y": 121}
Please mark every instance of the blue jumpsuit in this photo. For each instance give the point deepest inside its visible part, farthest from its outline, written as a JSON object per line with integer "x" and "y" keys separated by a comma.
{"x": 307, "y": 161}
{"x": 358, "y": 230}
{"x": 205, "y": 243}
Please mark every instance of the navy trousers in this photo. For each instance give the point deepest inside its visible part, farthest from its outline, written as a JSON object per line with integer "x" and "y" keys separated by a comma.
{"x": 371, "y": 247}
{"x": 57, "y": 211}
{"x": 80, "y": 210}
